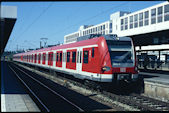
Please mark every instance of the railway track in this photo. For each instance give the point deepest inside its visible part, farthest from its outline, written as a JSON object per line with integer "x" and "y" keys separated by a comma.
{"x": 134, "y": 100}
{"x": 137, "y": 101}
{"x": 47, "y": 99}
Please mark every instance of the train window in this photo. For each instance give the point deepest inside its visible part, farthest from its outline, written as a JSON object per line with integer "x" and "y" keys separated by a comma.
{"x": 74, "y": 56}
{"x": 68, "y": 56}
{"x": 93, "y": 52}
{"x": 49, "y": 55}
{"x": 35, "y": 59}
{"x": 39, "y": 58}
{"x": 60, "y": 56}
{"x": 63, "y": 56}
{"x": 44, "y": 57}
{"x": 85, "y": 57}
{"x": 32, "y": 57}
{"x": 80, "y": 56}
{"x": 54, "y": 57}
{"x": 51, "y": 58}
{"x": 57, "y": 57}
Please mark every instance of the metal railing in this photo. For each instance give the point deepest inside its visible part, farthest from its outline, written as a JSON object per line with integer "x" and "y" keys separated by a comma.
{"x": 154, "y": 65}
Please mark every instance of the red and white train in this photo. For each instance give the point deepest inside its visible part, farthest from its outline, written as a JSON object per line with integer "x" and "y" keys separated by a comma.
{"x": 103, "y": 58}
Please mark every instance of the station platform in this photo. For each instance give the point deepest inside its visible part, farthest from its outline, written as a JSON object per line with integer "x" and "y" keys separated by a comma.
{"x": 156, "y": 84}
{"x": 162, "y": 78}
{"x": 13, "y": 96}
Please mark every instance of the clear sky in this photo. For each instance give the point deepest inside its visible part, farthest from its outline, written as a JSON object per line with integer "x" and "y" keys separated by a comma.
{"x": 53, "y": 20}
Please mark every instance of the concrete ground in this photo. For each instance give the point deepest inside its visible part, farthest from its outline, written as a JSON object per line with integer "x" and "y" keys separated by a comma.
{"x": 13, "y": 96}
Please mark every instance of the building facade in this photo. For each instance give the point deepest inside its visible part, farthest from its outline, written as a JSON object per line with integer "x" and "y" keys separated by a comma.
{"x": 122, "y": 23}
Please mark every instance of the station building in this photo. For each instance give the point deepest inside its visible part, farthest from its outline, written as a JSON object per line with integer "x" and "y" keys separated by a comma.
{"x": 149, "y": 29}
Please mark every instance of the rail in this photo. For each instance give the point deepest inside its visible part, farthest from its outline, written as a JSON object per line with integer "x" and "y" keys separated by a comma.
{"x": 44, "y": 86}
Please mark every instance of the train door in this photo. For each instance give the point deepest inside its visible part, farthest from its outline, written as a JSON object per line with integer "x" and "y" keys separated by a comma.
{"x": 79, "y": 59}
{"x": 64, "y": 59}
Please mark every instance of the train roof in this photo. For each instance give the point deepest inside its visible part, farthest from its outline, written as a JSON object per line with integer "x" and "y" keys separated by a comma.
{"x": 81, "y": 42}
{"x": 107, "y": 37}
{"x": 76, "y": 44}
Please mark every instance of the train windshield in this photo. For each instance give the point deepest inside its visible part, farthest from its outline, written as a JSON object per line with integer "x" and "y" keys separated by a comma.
{"x": 121, "y": 53}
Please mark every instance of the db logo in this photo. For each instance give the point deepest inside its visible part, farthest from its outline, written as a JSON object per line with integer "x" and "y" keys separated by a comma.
{"x": 122, "y": 69}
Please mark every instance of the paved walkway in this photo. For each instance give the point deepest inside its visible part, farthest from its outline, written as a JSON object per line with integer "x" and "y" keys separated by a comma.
{"x": 13, "y": 96}
{"x": 155, "y": 77}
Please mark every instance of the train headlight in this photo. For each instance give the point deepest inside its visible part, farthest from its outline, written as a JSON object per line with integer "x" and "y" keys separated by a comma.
{"x": 106, "y": 68}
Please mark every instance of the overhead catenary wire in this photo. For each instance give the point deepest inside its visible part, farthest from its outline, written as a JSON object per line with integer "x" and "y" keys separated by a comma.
{"x": 26, "y": 18}
{"x": 88, "y": 19}
{"x": 29, "y": 15}
{"x": 78, "y": 9}
{"x": 35, "y": 20}
{"x": 92, "y": 17}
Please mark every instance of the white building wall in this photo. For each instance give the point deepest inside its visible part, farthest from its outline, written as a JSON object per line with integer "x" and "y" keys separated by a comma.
{"x": 144, "y": 29}
{"x": 115, "y": 19}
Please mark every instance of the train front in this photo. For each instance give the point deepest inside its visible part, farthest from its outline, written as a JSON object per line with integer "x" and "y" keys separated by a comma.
{"x": 122, "y": 58}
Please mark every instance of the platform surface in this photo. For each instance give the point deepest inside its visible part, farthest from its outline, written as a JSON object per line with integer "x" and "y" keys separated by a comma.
{"x": 156, "y": 77}
{"x": 13, "y": 96}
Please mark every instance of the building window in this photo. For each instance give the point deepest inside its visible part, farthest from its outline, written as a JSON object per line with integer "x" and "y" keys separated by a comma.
{"x": 146, "y": 18}
{"x": 110, "y": 26}
{"x": 136, "y": 21}
{"x": 85, "y": 57}
{"x": 160, "y": 12}
{"x": 110, "y": 31}
{"x": 131, "y": 22}
{"x": 126, "y": 23}
{"x": 166, "y": 12}
{"x": 122, "y": 24}
{"x": 153, "y": 16}
{"x": 140, "y": 19}
{"x": 74, "y": 56}
{"x": 68, "y": 56}
{"x": 103, "y": 27}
